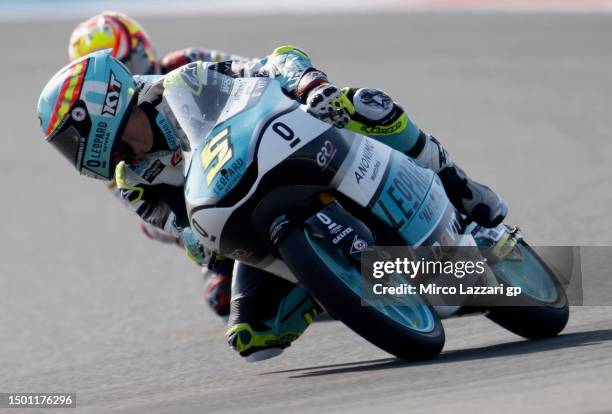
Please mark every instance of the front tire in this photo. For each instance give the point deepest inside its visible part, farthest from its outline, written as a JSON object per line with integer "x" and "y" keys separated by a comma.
{"x": 408, "y": 332}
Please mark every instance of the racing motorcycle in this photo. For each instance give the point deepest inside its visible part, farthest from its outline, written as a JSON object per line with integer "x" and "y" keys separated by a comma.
{"x": 270, "y": 185}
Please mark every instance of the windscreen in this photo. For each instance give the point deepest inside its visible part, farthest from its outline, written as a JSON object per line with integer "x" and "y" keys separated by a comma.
{"x": 197, "y": 97}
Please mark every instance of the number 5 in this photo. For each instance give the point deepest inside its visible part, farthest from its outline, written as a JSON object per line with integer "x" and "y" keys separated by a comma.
{"x": 218, "y": 149}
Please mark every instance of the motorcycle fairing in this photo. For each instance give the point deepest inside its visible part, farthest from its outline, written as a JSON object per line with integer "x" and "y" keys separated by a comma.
{"x": 405, "y": 195}
{"x": 269, "y": 148}
{"x": 247, "y": 137}
{"x": 230, "y": 143}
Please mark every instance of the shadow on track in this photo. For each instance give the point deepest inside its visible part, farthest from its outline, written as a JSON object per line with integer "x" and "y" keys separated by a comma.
{"x": 571, "y": 340}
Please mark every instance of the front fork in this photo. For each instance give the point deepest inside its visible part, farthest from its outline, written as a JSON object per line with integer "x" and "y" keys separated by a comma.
{"x": 341, "y": 230}
{"x": 334, "y": 225}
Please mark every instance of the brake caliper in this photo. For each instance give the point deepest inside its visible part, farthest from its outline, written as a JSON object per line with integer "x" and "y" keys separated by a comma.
{"x": 503, "y": 247}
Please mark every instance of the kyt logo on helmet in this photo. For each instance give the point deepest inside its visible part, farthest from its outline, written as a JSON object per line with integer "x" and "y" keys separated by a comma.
{"x": 111, "y": 100}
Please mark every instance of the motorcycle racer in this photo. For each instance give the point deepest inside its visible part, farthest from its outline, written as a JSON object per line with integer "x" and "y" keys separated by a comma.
{"x": 135, "y": 139}
{"x": 131, "y": 45}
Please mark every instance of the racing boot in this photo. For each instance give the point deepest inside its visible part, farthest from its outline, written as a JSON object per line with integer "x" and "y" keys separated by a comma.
{"x": 267, "y": 313}
{"x": 475, "y": 200}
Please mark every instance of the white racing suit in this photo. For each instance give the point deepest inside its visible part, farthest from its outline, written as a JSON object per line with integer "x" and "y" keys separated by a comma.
{"x": 169, "y": 62}
{"x": 268, "y": 313}
{"x": 217, "y": 284}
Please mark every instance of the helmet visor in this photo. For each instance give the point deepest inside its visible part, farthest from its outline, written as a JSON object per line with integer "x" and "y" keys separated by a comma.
{"x": 139, "y": 63}
{"x": 70, "y": 139}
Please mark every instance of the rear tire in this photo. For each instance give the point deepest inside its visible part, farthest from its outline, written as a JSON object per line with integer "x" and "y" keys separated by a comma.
{"x": 531, "y": 322}
{"x": 532, "y": 318}
{"x": 344, "y": 304}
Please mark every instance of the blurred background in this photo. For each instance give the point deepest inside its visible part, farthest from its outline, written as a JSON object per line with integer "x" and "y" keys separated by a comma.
{"x": 518, "y": 91}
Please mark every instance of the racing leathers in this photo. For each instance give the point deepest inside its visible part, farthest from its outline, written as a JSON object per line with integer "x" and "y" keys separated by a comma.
{"x": 217, "y": 283}
{"x": 372, "y": 113}
{"x": 169, "y": 62}
{"x": 268, "y": 313}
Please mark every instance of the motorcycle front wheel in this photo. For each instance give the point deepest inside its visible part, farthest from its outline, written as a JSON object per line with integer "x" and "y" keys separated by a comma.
{"x": 411, "y": 330}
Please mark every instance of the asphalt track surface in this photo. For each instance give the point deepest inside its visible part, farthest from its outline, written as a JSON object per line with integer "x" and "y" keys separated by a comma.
{"x": 88, "y": 305}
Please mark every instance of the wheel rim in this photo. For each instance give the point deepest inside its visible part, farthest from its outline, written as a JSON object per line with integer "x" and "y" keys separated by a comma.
{"x": 529, "y": 274}
{"x": 413, "y": 313}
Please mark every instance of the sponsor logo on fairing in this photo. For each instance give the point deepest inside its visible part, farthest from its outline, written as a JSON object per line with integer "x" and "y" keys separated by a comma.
{"x": 334, "y": 228}
{"x": 326, "y": 154}
{"x": 228, "y": 175}
{"x": 404, "y": 194}
{"x": 358, "y": 245}
{"x": 111, "y": 99}
{"x": 226, "y": 85}
{"x": 364, "y": 165}
{"x": 366, "y": 170}
{"x": 375, "y": 172}
{"x": 342, "y": 235}
{"x": 445, "y": 231}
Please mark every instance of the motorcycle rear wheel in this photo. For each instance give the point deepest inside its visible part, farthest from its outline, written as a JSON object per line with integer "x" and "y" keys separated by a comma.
{"x": 542, "y": 310}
